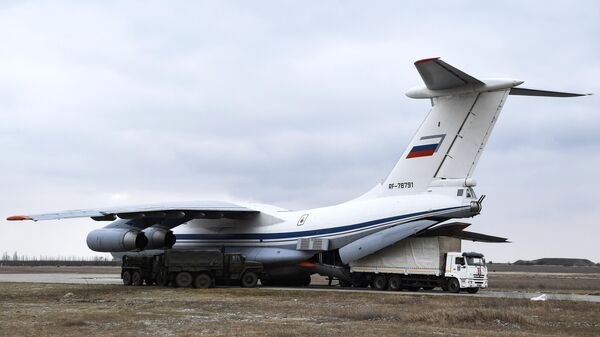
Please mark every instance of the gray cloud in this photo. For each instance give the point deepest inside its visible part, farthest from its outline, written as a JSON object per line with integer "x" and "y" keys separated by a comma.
{"x": 299, "y": 105}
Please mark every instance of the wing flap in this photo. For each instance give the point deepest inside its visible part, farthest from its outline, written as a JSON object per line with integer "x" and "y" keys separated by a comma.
{"x": 203, "y": 209}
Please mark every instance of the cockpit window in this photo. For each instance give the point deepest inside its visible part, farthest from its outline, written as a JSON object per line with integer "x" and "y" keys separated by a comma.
{"x": 470, "y": 193}
{"x": 475, "y": 261}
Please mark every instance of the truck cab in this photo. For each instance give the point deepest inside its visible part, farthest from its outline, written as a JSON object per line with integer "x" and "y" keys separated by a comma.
{"x": 465, "y": 271}
{"x": 237, "y": 265}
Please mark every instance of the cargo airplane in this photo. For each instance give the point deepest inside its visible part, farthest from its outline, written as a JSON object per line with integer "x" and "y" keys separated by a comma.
{"x": 430, "y": 184}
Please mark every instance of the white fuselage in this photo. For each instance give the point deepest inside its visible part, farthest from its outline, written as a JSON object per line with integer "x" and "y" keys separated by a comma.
{"x": 340, "y": 224}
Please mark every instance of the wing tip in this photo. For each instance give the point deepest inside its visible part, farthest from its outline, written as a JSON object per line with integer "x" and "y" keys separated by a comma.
{"x": 427, "y": 59}
{"x": 19, "y": 218}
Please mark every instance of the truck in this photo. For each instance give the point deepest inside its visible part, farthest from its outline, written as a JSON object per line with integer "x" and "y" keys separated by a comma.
{"x": 184, "y": 268}
{"x": 421, "y": 263}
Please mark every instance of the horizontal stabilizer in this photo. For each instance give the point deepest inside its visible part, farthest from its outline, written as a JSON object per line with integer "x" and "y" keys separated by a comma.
{"x": 439, "y": 75}
{"x": 472, "y": 236}
{"x": 448, "y": 229}
{"x": 456, "y": 230}
{"x": 543, "y": 93}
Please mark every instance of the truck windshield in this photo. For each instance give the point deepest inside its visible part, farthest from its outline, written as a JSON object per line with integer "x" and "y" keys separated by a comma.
{"x": 475, "y": 261}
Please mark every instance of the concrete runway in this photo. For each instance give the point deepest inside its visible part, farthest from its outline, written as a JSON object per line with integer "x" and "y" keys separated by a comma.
{"x": 81, "y": 278}
{"x": 73, "y": 278}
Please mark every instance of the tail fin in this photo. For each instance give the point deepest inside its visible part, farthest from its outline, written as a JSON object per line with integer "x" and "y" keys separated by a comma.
{"x": 450, "y": 140}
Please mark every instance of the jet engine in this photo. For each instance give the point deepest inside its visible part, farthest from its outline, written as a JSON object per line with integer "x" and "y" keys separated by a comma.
{"x": 116, "y": 240}
{"x": 159, "y": 238}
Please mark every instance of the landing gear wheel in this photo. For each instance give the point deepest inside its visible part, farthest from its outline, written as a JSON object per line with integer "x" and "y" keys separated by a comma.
{"x": 453, "y": 285}
{"x": 183, "y": 279}
{"x": 472, "y": 290}
{"x": 306, "y": 280}
{"x": 394, "y": 283}
{"x": 126, "y": 278}
{"x": 203, "y": 281}
{"x": 379, "y": 282}
{"x": 345, "y": 284}
{"x": 136, "y": 279}
{"x": 249, "y": 279}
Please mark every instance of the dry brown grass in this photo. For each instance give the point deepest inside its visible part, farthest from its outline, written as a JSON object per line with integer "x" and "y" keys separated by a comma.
{"x": 43, "y": 309}
{"x": 546, "y": 282}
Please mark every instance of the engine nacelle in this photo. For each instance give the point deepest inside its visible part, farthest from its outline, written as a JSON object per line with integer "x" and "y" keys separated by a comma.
{"x": 116, "y": 240}
{"x": 159, "y": 238}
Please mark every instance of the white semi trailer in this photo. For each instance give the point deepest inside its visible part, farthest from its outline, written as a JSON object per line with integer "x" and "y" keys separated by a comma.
{"x": 421, "y": 262}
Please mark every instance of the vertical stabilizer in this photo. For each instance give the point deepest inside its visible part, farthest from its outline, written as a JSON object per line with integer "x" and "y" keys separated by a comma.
{"x": 452, "y": 137}
{"x": 450, "y": 140}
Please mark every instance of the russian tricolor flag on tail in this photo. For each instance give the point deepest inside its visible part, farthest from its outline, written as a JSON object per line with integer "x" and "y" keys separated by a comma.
{"x": 430, "y": 146}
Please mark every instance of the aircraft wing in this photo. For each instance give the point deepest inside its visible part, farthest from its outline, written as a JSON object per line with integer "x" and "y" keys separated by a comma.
{"x": 191, "y": 210}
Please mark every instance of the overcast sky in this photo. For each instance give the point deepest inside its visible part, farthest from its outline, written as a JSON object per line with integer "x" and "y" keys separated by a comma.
{"x": 298, "y": 104}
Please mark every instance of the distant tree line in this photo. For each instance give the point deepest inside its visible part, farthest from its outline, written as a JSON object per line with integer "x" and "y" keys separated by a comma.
{"x": 25, "y": 260}
{"x": 567, "y": 262}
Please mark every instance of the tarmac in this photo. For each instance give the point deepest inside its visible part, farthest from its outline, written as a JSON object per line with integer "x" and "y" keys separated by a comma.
{"x": 81, "y": 278}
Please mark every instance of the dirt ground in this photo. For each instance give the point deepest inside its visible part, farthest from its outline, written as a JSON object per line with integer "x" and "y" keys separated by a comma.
{"x": 114, "y": 310}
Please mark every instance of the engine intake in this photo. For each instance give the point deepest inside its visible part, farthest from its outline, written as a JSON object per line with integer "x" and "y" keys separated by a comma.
{"x": 116, "y": 240}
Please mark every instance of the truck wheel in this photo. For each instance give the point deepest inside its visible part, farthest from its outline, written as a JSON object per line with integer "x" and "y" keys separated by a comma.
{"x": 203, "y": 281}
{"x": 126, "y": 278}
{"x": 136, "y": 279}
{"x": 161, "y": 280}
{"x": 249, "y": 279}
{"x": 379, "y": 282}
{"x": 394, "y": 284}
{"x": 453, "y": 285}
{"x": 472, "y": 290}
{"x": 183, "y": 279}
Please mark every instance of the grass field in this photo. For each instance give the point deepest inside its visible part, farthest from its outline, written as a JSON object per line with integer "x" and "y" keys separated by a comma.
{"x": 79, "y": 310}
{"x": 546, "y": 282}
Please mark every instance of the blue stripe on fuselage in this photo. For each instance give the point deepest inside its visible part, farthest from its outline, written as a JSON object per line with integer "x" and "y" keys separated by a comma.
{"x": 287, "y": 235}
